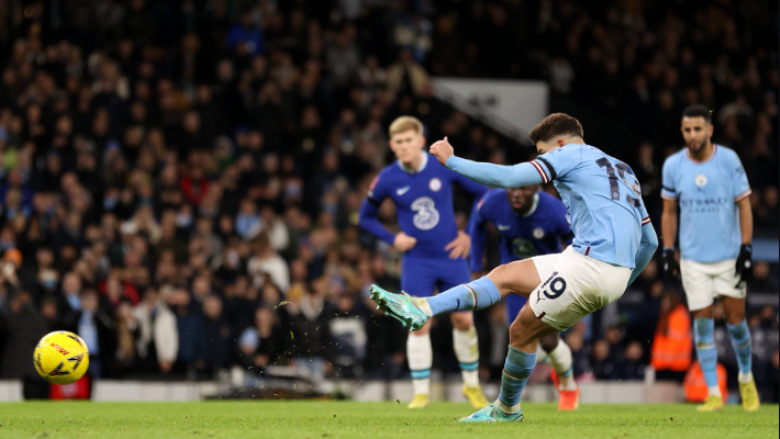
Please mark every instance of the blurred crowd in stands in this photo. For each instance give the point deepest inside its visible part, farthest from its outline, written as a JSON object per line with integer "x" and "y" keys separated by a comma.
{"x": 180, "y": 180}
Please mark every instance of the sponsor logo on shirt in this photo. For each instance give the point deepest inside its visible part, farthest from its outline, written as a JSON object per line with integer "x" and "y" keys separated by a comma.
{"x": 704, "y": 205}
{"x": 522, "y": 248}
{"x": 427, "y": 216}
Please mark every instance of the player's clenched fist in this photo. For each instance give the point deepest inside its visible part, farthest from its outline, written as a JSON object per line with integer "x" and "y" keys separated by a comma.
{"x": 404, "y": 242}
{"x": 442, "y": 150}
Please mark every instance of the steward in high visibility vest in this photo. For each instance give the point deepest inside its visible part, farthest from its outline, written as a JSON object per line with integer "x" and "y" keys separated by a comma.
{"x": 673, "y": 341}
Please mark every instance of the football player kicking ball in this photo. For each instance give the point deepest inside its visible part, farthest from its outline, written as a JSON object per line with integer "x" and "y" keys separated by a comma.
{"x": 434, "y": 249}
{"x": 716, "y": 231}
{"x": 530, "y": 223}
{"x": 613, "y": 242}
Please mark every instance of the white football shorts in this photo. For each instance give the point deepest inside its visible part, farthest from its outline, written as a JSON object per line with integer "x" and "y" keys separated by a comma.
{"x": 703, "y": 281}
{"x": 573, "y": 286}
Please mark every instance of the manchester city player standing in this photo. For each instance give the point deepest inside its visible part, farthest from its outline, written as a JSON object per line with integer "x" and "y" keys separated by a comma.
{"x": 434, "y": 249}
{"x": 716, "y": 232}
{"x": 530, "y": 223}
{"x": 613, "y": 242}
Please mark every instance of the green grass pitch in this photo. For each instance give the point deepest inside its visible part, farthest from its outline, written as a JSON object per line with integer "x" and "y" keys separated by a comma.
{"x": 336, "y": 420}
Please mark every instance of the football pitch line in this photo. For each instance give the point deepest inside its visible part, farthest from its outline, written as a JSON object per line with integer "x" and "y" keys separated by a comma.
{"x": 322, "y": 419}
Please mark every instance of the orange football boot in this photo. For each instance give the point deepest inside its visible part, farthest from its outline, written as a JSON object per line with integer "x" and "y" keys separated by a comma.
{"x": 569, "y": 399}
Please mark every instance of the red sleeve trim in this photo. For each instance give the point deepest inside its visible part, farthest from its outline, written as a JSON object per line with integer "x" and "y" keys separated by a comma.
{"x": 540, "y": 171}
{"x": 743, "y": 195}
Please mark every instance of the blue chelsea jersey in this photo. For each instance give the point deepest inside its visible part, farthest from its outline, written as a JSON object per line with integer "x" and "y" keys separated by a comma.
{"x": 423, "y": 202}
{"x": 538, "y": 232}
{"x": 603, "y": 198}
{"x": 707, "y": 193}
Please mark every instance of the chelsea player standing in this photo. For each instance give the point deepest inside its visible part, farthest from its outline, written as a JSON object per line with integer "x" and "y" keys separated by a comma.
{"x": 716, "y": 231}
{"x": 530, "y": 223}
{"x": 434, "y": 249}
{"x": 613, "y": 242}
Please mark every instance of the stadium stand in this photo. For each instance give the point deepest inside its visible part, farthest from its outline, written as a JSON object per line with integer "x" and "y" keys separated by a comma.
{"x": 181, "y": 179}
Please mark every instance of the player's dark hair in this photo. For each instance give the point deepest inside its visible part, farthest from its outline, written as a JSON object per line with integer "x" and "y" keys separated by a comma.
{"x": 698, "y": 110}
{"x": 556, "y": 124}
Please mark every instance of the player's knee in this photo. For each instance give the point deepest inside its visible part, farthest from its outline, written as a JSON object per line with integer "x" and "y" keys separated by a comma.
{"x": 518, "y": 335}
{"x": 425, "y": 330}
{"x": 549, "y": 343}
{"x": 515, "y": 330}
{"x": 704, "y": 313}
{"x": 499, "y": 276}
{"x": 462, "y": 321}
{"x": 735, "y": 317}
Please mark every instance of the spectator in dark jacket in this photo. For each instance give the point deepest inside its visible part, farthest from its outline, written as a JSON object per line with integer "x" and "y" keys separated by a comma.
{"x": 21, "y": 326}
{"x": 189, "y": 321}
{"x": 260, "y": 345}
{"x": 348, "y": 333}
{"x": 633, "y": 368}
{"x": 311, "y": 340}
{"x": 216, "y": 337}
{"x": 603, "y": 363}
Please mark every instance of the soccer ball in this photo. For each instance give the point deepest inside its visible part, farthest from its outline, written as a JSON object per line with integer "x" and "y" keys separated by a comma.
{"x": 61, "y": 357}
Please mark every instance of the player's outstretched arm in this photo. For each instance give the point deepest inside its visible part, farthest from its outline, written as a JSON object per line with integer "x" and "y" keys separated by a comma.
{"x": 647, "y": 248}
{"x": 500, "y": 176}
{"x": 489, "y": 174}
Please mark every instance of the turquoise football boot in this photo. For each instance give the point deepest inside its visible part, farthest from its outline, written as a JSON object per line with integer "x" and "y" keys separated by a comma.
{"x": 399, "y": 307}
{"x": 492, "y": 413}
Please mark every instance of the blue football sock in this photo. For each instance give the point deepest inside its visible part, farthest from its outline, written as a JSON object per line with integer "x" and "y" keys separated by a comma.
{"x": 703, "y": 334}
{"x": 517, "y": 368}
{"x": 740, "y": 339}
{"x": 472, "y": 296}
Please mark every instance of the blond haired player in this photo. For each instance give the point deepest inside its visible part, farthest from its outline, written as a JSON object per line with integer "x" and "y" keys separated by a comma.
{"x": 434, "y": 249}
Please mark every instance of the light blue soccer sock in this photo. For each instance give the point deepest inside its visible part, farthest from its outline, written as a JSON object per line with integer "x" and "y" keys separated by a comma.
{"x": 740, "y": 339}
{"x": 703, "y": 334}
{"x": 517, "y": 368}
{"x": 472, "y": 296}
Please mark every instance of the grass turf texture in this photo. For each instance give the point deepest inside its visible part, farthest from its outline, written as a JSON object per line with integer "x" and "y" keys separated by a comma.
{"x": 315, "y": 420}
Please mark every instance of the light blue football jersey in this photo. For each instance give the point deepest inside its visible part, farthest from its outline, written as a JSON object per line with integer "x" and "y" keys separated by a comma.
{"x": 603, "y": 198}
{"x": 708, "y": 192}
